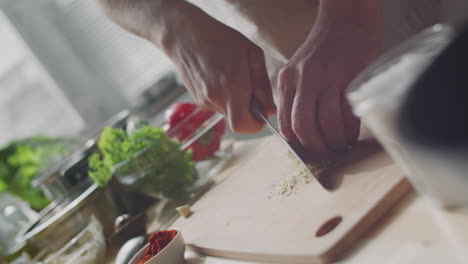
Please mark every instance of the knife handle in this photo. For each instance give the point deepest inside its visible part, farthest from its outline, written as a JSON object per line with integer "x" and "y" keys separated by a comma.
{"x": 256, "y": 109}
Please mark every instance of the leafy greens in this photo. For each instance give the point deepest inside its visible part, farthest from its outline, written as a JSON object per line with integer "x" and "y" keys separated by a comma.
{"x": 21, "y": 161}
{"x": 149, "y": 151}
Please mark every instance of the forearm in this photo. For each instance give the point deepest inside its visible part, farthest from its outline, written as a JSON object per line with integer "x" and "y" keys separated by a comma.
{"x": 158, "y": 21}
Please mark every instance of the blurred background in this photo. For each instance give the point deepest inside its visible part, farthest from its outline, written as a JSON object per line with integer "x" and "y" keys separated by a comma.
{"x": 66, "y": 68}
{"x": 66, "y": 72}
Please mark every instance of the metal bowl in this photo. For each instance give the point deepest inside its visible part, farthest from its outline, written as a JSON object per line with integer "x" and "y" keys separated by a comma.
{"x": 65, "y": 221}
{"x": 62, "y": 179}
{"x": 89, "y": 246}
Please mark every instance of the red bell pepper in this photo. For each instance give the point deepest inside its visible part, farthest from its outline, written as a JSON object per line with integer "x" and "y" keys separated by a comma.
{"x": 181, "y": 127}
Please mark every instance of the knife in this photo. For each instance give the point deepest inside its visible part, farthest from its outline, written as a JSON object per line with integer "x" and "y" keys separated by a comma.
{"x": 294, "y": 146}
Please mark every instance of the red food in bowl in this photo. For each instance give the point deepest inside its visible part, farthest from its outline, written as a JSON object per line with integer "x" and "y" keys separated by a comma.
{"x": 157, "y": 242}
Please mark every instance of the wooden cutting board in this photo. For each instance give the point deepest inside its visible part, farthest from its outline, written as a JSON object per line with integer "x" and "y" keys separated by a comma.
{"x": 237, "y": 219}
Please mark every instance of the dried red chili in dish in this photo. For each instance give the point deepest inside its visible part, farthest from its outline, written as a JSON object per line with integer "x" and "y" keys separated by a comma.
{"x": 157, "y": 242}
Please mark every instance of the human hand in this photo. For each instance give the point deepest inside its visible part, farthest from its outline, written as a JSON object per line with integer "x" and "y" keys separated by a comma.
{"x": 223, "y": 70}
{"x": 312, "y": 105}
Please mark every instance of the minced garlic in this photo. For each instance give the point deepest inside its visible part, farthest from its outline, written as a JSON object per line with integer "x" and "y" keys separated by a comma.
{"x": 288, "y": 185}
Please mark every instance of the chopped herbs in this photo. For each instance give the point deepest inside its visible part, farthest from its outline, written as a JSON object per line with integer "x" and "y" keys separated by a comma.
{"x": 147, "y": 151}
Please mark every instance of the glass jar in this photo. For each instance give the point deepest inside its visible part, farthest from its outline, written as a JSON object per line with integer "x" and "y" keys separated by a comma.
{"x": 378, "y": 93}
{"x": 210, "y": 144}
{"x": 15, "y": 216}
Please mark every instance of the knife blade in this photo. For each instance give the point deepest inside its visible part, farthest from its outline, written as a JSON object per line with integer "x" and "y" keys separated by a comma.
{"x": 295, "y": 147}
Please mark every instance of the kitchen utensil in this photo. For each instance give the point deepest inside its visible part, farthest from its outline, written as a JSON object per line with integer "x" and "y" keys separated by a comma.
{"x": 135, "y": 173}
{"x": 134, "y": 226}
{"x": 377, "y": 96}
{"x": 87, "y": 247}
{"x": 62, "y": 179}
{"x": 173, "y": 253}
{"x": 239, "y": 218}
{"x": 130, "y": 249}
{"x": 15, "y": 216}
{"x": 434, "y": 129}
{"x": 295, "y": 147}
{"x": 53, "y": 181}
{"x": 60, "y": 225}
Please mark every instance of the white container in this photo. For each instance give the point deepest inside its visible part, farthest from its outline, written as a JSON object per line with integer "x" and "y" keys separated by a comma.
{"x": 173, "y": 253}
{"x": 376, "y": 96}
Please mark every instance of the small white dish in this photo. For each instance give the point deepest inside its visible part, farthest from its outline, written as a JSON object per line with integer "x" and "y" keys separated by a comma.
{"x": 173, "y": 253}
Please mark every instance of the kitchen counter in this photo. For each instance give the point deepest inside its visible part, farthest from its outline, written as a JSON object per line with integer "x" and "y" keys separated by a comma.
{"x": 412, "y": 232}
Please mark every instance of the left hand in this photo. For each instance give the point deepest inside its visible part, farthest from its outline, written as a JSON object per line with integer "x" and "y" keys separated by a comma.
{"x": 312, "y": 105}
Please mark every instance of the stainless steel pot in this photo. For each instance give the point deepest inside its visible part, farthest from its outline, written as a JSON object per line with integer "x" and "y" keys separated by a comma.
{"x": 65, "y": 221}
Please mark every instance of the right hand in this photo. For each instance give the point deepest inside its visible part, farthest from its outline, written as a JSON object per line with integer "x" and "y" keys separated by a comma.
{"x": 223, "y": 70}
